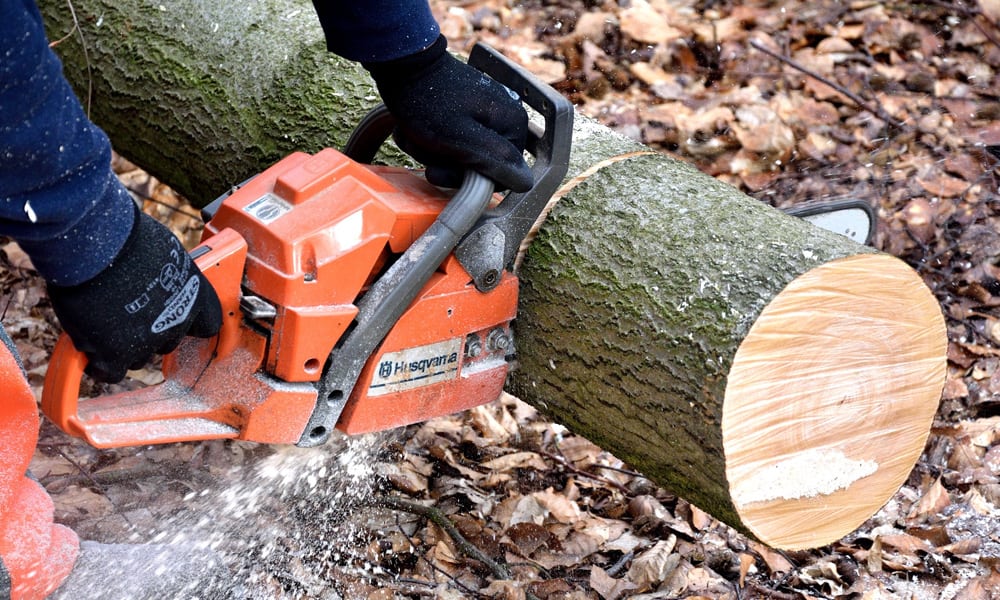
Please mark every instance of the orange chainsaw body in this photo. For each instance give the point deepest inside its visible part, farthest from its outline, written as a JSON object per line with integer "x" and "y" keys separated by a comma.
{"x": 289, "y": 253}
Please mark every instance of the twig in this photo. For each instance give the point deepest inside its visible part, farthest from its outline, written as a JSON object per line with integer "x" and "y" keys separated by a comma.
{"x": 616, "y": 568}
{"x": 770, "y": 593}
{"x": 101, "y": 478}
{"x": 167, "y": 205}
{"x": 83, "y": 45}
{"x": 861, "y": 102}
{"x": 454, "y": 580}
{"x": 437, "y": 517}
{"x": 972, "y": 13}
{"x": 566, "y": 464}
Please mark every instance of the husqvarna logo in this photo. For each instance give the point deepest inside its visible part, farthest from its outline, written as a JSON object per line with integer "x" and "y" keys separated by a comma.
{"x": 385, "y": 369}
{"x": 416, "y": 367}
{"x": 178, "y": 307}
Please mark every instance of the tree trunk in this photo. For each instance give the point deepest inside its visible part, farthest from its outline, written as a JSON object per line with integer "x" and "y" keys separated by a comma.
{"x": 781, "y": 377}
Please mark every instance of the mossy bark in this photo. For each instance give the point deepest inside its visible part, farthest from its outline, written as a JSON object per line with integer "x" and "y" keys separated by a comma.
{"x": 204, "y": 94}
{"x": 636, "y": 293}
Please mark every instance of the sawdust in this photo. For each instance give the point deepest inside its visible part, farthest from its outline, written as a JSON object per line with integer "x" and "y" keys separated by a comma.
{"x": 798, "y": 477}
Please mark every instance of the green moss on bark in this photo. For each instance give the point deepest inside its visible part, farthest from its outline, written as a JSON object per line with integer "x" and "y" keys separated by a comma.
{"x": 204, "y": 94}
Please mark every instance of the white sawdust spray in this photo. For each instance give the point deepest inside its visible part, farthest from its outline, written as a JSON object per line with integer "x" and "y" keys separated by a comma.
{"x": 289, "y": 525}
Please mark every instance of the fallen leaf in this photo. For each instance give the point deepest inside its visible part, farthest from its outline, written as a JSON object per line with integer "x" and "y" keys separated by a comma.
{"x": 747, "y": 562}
{"x": 517, "y": 460}
{"x": 608, "y": 587}
{"x": 559, "y": 507}
{"x": 942, "y": 185}
{"x": 528, "y": 537}
{"x": 643, "y": 23}
{"x": 654, "y": 565}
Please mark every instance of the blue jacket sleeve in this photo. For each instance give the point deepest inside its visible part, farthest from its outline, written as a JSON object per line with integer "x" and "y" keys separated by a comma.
{"x": 376, "y": 30}
{"x": 58, "y": 196}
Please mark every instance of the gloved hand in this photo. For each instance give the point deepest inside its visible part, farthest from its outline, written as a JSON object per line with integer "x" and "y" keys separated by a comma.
{"x": 449, "y": 116}
{"x": 145, "y": 302}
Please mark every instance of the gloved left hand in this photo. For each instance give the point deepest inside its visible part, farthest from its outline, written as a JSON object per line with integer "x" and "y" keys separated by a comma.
{"x": 449, "y": 116}
{"x": 144, "y": 303}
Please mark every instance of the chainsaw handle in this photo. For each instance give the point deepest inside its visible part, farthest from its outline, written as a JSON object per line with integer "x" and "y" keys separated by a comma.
{"x": 493, "y": 243}
{"x": 221, "y": 260}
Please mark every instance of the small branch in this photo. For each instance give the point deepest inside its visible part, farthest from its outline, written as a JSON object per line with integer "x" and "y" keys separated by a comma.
{"x": 101, "y": 478}
{"x": 454, "y": 580}
{"x": 437, "y": 517}
{"x": 972, "y": 13}
{"x": 616, "y": 568}
{"x": 771, "y": 593}
{"x": 83, "y": 45}
{"x": 569, "y": 467}
{"x": 167, "y": 205}
{"x": 861, "y": 102}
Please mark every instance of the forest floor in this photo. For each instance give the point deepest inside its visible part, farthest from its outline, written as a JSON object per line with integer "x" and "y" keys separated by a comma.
{"x": 894, "y": 103}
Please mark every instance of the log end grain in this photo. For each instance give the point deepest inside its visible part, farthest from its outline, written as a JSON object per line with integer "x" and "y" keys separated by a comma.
{"x": 830, "y": 399}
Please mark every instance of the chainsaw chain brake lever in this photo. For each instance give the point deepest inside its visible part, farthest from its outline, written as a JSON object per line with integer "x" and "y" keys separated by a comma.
{"x": 492, "y": 244}
{"x": 490, "y": 238}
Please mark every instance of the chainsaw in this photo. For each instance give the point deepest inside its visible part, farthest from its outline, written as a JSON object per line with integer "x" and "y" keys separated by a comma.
{"x": 355, "y": 297}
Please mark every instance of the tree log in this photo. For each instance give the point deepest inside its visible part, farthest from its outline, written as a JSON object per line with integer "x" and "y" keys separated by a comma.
{"x": 780, "y": 377}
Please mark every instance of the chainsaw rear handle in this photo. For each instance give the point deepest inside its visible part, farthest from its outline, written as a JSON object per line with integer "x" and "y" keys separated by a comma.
{"x": 221, "y": 259}
{"x": 491, "y": 245}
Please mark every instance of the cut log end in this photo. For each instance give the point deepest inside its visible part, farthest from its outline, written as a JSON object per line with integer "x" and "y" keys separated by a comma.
{"x": 830, "y": 399}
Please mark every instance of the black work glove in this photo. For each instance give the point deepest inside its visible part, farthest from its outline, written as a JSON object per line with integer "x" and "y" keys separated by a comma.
{"x": 451, "y": 117}
{"x": 144, "y": 303}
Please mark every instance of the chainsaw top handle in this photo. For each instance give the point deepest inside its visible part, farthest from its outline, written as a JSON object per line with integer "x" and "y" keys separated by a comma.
{"x": 492, "y": 244}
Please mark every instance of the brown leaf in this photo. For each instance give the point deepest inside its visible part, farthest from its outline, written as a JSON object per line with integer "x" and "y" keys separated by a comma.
{"x": 990, "y": 8}
{"x": 918, "y": 216}
{"x": 759, "y": 129}
{"x": 700, "y": 519}
{"x": 775, "y": 561}
{"x": 909, "y": 544}
{"x": 519, "y": 509}
{"x": 654, "y": 565}
{"x": 579, "y": 451}
{"x": 551, "y": 588}
{"x": 517, "y": 460}
{"x": 646, "y": 505}
{"x": 643, "y": 23}
{"x": 504, "y": 590}
{"x": 608, "y": 587}
{"x": 980, "y": 588}
{"x": 941, "y": 185}
{"x": 747, "y": 561}
{"x": 932, "y": 502}
{"x": 528, "y": 537}
{"x": 560, "y": 507}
